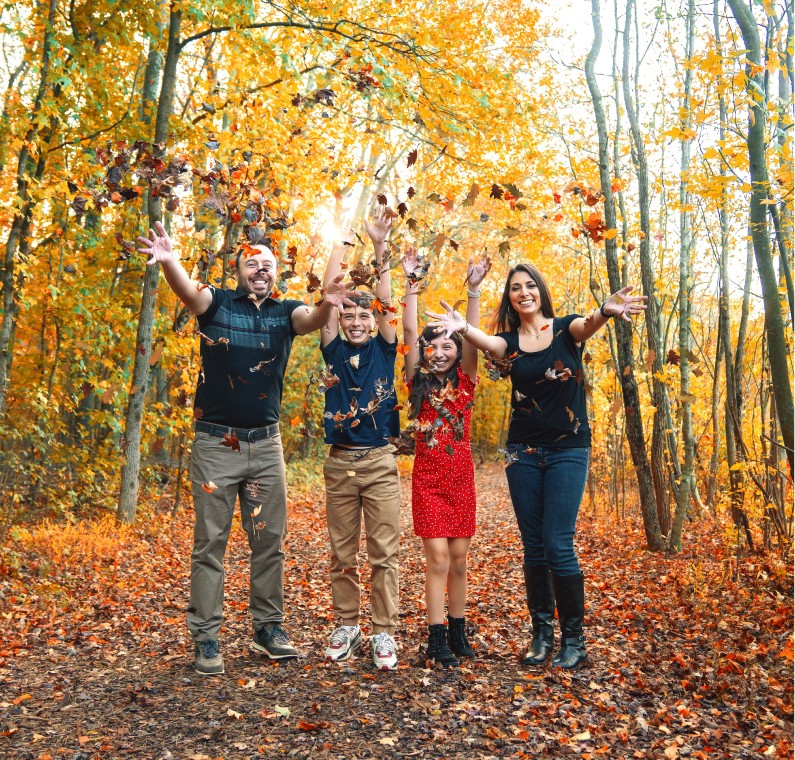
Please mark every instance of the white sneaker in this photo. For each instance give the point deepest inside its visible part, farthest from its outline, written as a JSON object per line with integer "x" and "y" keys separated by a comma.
{"x": 343, "y": 643}
{"x": 384, "y": 651}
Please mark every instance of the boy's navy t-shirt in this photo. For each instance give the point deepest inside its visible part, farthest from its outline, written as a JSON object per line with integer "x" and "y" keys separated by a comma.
{"x": 548, "y": 411}
{"x": 367, "y": 374}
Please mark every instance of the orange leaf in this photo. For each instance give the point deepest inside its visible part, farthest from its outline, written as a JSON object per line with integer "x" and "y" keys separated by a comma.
{"x": 295, "y": 421}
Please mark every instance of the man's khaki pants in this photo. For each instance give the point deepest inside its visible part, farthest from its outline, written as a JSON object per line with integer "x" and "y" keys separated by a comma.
{"x": 256, "y": 476}
{"x": 364, "y": 483}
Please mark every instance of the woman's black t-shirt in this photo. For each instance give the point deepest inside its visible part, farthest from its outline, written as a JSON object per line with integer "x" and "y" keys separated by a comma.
{"x": 548, "y": 403}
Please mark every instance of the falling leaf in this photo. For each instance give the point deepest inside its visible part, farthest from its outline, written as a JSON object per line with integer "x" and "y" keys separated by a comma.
{"x": 412, "y": 158}
{"x": 473, "y": 193}
{"x": 231, "y": 441}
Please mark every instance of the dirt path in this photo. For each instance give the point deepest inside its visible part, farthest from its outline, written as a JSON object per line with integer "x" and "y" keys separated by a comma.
{"x": 689, "y": 658}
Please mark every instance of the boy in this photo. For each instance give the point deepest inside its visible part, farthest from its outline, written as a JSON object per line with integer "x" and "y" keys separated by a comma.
{"x": 360, "y": 471}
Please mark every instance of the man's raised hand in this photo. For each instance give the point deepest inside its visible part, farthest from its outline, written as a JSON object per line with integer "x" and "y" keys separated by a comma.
{"x": 157, "y": 245}
{"x": 337, "y": 293}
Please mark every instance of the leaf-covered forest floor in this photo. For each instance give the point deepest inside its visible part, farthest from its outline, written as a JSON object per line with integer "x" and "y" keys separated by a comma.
{"x": 690, "y": 655}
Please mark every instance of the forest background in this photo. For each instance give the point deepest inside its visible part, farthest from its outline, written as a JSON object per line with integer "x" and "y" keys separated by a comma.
{"x": 657, "y": 152}
{"x": 638, "y": 142}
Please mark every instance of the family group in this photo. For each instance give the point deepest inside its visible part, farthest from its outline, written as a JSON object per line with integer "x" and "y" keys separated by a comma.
{"x": 247, "y": 334}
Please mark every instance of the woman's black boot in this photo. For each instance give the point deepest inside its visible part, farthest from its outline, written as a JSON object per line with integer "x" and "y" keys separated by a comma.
{"x": 438, "y": 651}
{"x": 457, "y": 637}
{"x": 541, "y": 605}
{"x": 570, "y": 598}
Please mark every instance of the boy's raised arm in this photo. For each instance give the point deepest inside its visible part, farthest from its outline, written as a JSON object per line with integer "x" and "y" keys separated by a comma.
{"x": 378, "y": 229}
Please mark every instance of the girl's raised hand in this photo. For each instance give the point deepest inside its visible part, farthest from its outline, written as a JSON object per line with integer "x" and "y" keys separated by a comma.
{"x": 477, "y": 271}
{"x": 449, "y": 322}
{"x": 622, "y": 304}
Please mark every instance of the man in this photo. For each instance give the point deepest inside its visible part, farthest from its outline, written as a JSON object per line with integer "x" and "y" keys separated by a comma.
{"x": 237, "y": 451}
{"x": 360, "y": 471}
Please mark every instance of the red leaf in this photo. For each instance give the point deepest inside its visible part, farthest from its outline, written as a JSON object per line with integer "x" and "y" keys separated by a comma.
{"x": 231, "y": 441}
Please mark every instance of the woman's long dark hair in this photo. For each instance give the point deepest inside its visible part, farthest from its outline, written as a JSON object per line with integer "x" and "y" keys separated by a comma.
{"x": 507, "y": 319}
{"x": 426, "y": 383}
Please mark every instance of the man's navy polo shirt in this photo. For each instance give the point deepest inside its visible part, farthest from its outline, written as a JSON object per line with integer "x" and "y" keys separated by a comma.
{"x": 242, "y": 375}
{"x": 371, "y": 375}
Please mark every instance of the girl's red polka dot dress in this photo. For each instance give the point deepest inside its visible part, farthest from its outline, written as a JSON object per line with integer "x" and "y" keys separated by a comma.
{"x": 443, "y": 484}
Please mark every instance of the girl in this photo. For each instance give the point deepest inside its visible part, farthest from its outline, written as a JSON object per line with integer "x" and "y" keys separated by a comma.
{"x": 441, "y": 374}
{"x": 548, "y": 444}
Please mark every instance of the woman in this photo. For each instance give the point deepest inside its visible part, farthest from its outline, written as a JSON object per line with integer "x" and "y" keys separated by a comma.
{"x": 548, "y": 446}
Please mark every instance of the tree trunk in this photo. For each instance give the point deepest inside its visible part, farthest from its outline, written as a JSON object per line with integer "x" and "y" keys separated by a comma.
{"x": 659, "y": 395}
{"x": 685, "y": 277}
{"x": 18, "y": 244}
{"x": 760, "y": 199}
{"x": 128, "y": 497}
{"x": 623, "y": 331}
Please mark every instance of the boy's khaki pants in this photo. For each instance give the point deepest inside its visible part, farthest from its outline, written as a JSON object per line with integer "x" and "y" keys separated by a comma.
{"x": 364, "y": 483}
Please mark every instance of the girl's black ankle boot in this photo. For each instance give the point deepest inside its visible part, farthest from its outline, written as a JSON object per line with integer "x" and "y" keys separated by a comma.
{"x": 438, "y": 650}
{"x": 457, "y": 637}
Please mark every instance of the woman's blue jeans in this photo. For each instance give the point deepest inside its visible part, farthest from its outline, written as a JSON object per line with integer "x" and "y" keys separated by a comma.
{"x": 546, "y": 485}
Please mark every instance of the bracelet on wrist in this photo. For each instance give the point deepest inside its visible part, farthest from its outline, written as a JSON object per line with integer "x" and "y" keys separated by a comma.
{"x": 466, "y": 329}
{"x": 602, "y": 312}
{"x": 473, "y": 293}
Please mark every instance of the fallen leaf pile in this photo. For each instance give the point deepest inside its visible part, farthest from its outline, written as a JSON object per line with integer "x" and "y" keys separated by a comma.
{"x": 691, "y": 655}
